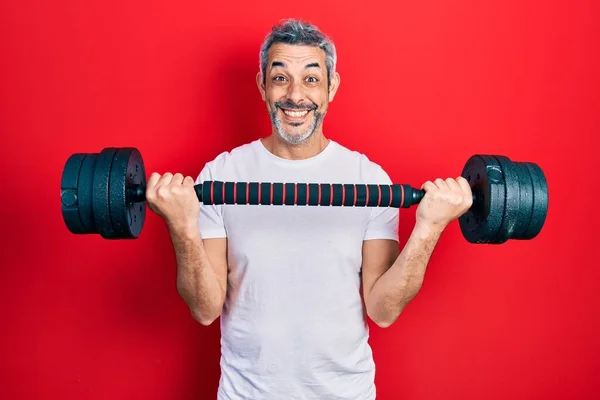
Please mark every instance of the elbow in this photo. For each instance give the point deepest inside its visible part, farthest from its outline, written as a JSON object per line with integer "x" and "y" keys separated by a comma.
{"x": 204, "y": 318}
{"x": 383, "y": 317}
{"x": 384, "y": 321}
{"x": 203, "y": 311}
{"x": 384, "y": 324}
{"x": 386, "y": 313}
{"x": 206, "y": 321}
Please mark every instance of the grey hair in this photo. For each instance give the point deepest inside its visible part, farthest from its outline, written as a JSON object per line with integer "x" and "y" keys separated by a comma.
{"x": 297, "y": 32}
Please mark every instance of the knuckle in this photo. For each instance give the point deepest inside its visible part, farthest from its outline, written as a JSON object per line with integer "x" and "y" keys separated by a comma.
{"x": 163, "y": 192}
{"x": 150, "y": 195}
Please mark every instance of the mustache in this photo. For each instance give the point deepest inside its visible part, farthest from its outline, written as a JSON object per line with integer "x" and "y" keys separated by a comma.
{"x": 290, "y": 105}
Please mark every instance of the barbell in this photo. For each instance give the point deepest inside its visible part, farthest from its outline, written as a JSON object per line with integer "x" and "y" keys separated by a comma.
{"x": 104, "y": 193}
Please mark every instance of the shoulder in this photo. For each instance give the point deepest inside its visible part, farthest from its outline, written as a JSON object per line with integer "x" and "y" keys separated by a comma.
{"x": 234, "y": 158}
{"x": 369, "y": 170}
{"x": 235, "y": 155}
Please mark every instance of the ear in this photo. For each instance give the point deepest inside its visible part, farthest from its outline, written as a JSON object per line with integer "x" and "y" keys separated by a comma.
{"x": 261, "y": 86}
{"x": 334, "y": 85}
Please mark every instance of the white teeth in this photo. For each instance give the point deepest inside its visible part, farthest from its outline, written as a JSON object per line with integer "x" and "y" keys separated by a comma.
{"x": 295, "y": 114}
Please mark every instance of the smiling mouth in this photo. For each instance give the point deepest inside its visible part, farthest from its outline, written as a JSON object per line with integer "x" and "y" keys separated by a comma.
{"x": 294, "y": 113}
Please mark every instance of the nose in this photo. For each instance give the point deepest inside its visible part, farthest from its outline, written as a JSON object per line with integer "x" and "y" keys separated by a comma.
{"x": 296, "y": 92}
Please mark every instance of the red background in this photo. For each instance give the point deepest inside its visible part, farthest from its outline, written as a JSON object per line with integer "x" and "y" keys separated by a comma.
{"x": 424, "y": 85}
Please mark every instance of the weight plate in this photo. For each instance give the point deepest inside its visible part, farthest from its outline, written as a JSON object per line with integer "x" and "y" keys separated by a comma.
{"x": 127, "y": 216}
{"x": 85, "y": 193}
{"x": 68, "y": 194}
{"x": 136, "y": 175}
{"x": 540, "y": 201}
{"x": 480, "y": 224}
{"x": 101, "y": 193}
{"x": 525, "y": 202}
{"x": 512, "y": 200}
{"x": 119, "y": 212}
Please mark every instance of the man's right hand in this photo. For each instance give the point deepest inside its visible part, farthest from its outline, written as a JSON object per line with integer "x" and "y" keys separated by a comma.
{"x": 173, "y": 198}
{"x": 201, "y": 264}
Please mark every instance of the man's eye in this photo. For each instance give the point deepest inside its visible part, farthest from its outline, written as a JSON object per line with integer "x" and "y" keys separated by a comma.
{"x": 312, "y": 79}
{"x": 279, "y": 79}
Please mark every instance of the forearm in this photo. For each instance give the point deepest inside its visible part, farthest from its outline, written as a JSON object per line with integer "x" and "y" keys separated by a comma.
{"x": 197, "y": 281}
{"x": 398, "y": 286}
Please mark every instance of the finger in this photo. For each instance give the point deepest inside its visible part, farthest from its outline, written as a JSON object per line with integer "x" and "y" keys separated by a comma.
{"x": 466, "y": 189}
{"x": 165, "y": 179}
{"x": 441, "y": 184}
{"x": 464, "y": 184}
{"x": 177, "y": 179}
{"x": 453, "y": 185}
{"x": 188, "y": 181}
{"x": 152, "y": 180}
{"x": 429, "y": 186}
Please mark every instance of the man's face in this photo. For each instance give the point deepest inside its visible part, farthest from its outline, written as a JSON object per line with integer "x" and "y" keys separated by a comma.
{"x": 296, "y": 90}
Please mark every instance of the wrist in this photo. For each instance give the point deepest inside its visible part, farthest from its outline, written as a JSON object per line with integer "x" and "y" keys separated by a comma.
{"x": 185, "y": 229}
{"x": 427, "y": 230}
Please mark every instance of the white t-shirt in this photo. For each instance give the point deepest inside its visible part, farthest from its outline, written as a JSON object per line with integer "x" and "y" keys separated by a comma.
{"x": 293, "y": 324}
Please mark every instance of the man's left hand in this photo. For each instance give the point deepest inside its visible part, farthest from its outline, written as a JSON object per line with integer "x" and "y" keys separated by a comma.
{"x": 444, "y": 201}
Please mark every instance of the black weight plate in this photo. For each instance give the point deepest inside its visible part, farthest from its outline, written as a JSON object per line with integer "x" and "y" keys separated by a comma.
{"x": 118, "y": 207}
{"x": 85, "y": 193}
{"x": 525, "y": 202}
{"x": 101, "y": 193}
{"x": 540, "y": 201}
{"x": 136, "y": 175}
{"x": 480, "y": 224}
{"x": 127, "y": 217}
{"x": 68, "y": 194}
{"x": 512, "y": 200}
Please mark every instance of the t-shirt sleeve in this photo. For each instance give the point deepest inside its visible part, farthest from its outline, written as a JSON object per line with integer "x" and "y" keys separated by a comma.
{"x": 211, "y": 216}
{"x": 383, "y": 222}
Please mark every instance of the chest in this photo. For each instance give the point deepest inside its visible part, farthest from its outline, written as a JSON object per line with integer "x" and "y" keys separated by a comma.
{"x": 283, "y": 234}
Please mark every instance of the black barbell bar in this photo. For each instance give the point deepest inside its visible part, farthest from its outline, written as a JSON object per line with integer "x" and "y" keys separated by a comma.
{"x": 301, "y": 194}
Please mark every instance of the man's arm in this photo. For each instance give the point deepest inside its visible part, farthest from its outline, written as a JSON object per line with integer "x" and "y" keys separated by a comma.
{"x": 201, "y": 273}
{"x": 392, "y": 280}
{"x": 201, "y": 264}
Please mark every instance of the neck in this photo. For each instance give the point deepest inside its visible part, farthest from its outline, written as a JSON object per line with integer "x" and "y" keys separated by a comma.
{"x": 307, "y": 149}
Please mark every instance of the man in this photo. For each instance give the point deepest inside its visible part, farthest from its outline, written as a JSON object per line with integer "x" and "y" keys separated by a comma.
{"x": 294, "y": 285}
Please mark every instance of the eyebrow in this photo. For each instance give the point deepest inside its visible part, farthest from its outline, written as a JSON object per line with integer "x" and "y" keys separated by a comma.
{"x": 280, "y": 64}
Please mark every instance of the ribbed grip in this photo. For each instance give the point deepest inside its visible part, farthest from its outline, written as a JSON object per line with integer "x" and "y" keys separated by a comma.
{"x": 311, "y": 194}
